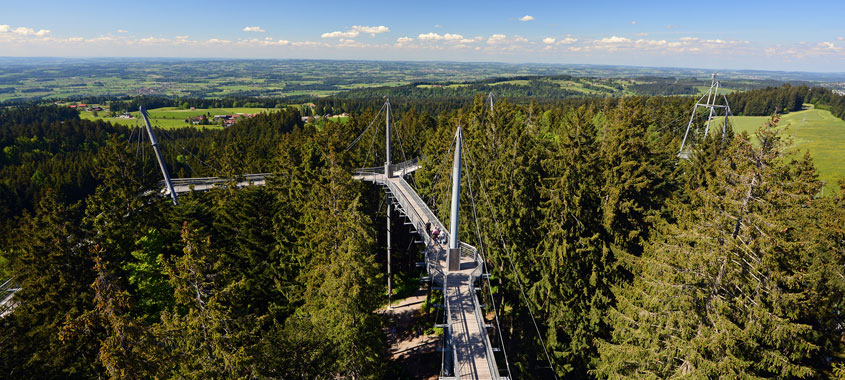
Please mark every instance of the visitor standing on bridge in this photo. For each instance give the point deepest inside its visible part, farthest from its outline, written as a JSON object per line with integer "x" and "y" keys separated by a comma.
{"x": 428, "y": 228}
{"x": 434, "y": 235}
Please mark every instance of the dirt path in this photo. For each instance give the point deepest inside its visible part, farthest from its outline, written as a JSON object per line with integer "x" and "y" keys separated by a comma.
{"x": 410, "y": 348}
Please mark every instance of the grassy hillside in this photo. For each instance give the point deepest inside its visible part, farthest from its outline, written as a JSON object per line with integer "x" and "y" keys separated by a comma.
{"x": 813, "y": 130}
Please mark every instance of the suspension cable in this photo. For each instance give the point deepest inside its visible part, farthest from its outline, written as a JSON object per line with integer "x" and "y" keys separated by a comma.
{"x": 513, "y": 267}
{"x": 484, "y": 262}
{"x": 168, "y": 137}
{"x": 348, "y": 147}
{"x": 437, "y": 175}
{"x": 372, "y": 141}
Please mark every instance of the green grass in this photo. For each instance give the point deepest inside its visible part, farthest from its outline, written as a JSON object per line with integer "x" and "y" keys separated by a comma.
{"x": 813, "y": 130}
{"x": 518, "y": 82}
{"x": 171, "y": 117}
{"x": 455, "y": 85}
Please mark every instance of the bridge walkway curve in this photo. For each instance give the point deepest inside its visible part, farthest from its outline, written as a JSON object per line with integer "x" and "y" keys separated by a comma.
{"x": 468, "y": 343}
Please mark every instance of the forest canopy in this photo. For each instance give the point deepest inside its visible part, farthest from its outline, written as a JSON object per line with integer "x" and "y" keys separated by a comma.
{"x": 636, "y": 264}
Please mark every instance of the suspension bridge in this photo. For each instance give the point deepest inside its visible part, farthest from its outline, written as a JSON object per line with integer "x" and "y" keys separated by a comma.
{"x": 452, "y": 267}
{"x": 455, "y": 268}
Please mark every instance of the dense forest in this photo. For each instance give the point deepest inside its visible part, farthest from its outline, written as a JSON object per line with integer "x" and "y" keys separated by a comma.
{"x": 635, "y": 264}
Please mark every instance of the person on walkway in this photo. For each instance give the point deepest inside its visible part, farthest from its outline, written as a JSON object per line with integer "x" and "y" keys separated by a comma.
{"x": 435, "y": 234}
{"x": 428, "y": 228}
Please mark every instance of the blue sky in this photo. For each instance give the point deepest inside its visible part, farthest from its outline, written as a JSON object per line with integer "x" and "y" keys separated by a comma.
{"x": 770, "y": 35}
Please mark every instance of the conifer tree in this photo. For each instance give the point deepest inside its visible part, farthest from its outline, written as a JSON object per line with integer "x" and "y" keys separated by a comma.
{"x": 573, "y": 290}
{"x": 341, "y": 280}
{"x": 205, "y": 340}
{"x": 128, "y": 349}
{"x": 636, "y": 182}
{"x": 715, "y": 294}
{"x": 53, "y": 270}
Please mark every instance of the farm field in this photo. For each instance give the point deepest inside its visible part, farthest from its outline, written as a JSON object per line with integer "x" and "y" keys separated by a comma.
{"x": 60, "y": 78}
{"x": 813, "y": 130}
{"x": 172, "y": 117}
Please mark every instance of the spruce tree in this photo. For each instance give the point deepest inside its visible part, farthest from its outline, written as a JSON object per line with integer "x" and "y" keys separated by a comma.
{"x": 714, "y": 294}
{"x": 575, "y": 265}
{"x": 341, "y": 280}
{"x": 53, "y": 270}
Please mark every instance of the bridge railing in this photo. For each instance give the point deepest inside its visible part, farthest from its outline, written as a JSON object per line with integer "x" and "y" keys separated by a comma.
{"x": 7, "y": 290}
{"x": 401, "y": 167}
{"x": 199, "y": 181}
{"x": 368, "y": 171}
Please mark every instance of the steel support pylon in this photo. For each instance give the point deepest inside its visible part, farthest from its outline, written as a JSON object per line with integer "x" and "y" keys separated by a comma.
{"x": 454, "y": 255}
{"x": 161, "y": 165}
{"x": 388, "y": 167}
{"x": 711, "y": 105}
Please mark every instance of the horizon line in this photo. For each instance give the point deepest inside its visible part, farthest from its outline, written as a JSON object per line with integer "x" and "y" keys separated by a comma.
{"x": 415, "y": 61}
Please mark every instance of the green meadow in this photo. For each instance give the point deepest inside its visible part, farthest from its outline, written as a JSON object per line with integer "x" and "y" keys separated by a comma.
{"x": 172, "y": 117}
{"x": 813, "y": 130}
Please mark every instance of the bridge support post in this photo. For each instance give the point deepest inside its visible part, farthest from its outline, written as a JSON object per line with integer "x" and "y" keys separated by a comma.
{"x": 454, "y": 255}
{"x": 389, "y": 274}
{"x": 164, "y": 172}
{"x": 388, "y": 167}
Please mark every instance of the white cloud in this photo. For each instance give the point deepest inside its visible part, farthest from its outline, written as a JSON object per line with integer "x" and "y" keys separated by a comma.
{"x": 253, "y": 29}
{"x": 643, "y": 34}
{"x": 526, "y": 18}
{"x": 840, "y": 38}
{"x": 371, "y": 30}
{"x": 403, "y": 40}
{"x": 347, "y": 43}
{"x": 496, "y": 39}
{"x": 548, "y": 40}
{"x": 97, "y": 39}
{"x": 23, "y": 31}
{"x": 121, "y": 31}
{"x": 339, "y": 34}
{"x": 218, "y": 41}
{"x": 642, "y": 42}
{"x": 633, "y": 23}
{"x": 671, "y": 26}
{"x": 309, "y": 44}
{"x": 448, "y": 37}
{"x": 614, "y": 40}
{"x": 567, "y": 41}
{"x": 153, "y": 41}
{"x": 829, "y": 46}
{"x": 356, "y": 30}
{"x": 430, "y": 37}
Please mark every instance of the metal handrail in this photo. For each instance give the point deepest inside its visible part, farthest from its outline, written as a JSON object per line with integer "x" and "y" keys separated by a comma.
{"x": 217, "y": 180}
{"x": 11, "y": 288}
{"x": 372, "y": 170}
{"x": 6, "y": 285}
{"x": 479, "y": 317}
{"x": 450, "y": 343}
{"x": 402, "y": 166}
